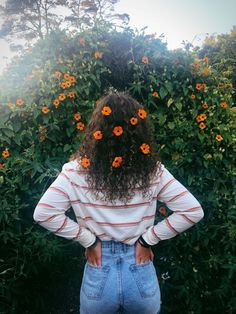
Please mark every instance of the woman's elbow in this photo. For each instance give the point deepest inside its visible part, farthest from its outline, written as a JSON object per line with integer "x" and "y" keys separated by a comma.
{"x": 200, "y": 213}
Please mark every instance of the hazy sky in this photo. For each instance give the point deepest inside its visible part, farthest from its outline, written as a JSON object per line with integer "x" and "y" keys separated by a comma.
{"x": 179, "y": 20}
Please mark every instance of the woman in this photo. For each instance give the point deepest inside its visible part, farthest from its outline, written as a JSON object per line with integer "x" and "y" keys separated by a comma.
{"x": 112, "y": 183}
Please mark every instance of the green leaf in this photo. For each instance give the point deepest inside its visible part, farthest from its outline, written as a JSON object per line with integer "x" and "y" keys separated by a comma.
{"x": 163, "y": 92}
{"x": 171, "y": 125}
{"x": 170, "y": 102}
{"x": 66, "y": 148}
{"x": 178, "y": 106}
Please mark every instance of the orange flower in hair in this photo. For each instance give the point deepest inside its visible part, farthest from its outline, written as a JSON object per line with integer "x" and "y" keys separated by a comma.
{"x": 142, "y": 113}
{"x": 85, "y": 162}
{"x": 133, "y": 121}
{"x": 145, "y": 148}
{"x": 118, "y": 130}
{"x": 97, "y": 135}
{"x": 117, "y": 162}
{"x": 106, "y": 111}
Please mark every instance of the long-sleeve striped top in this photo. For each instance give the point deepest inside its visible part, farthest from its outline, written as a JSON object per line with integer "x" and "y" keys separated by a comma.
{"x": 115, "y": 221}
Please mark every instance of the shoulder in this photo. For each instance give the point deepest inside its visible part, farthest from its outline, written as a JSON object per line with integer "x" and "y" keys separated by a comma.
{"x": 73, "y": 166}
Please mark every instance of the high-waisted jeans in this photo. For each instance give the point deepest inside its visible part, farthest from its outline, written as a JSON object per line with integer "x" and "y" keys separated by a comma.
{"x": 119, "y": 285}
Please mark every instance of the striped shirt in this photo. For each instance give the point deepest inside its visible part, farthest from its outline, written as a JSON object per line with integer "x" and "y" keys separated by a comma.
{"x": 115, "y": 221}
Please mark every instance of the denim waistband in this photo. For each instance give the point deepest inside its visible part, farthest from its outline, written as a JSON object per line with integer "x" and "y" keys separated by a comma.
{"x": 117, "y": 246}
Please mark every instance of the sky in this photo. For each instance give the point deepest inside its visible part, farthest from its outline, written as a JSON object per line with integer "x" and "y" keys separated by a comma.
{"x": 178, "y": 20}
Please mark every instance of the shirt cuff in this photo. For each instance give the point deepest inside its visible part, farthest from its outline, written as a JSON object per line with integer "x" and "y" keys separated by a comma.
{"x": 149, "y": 236}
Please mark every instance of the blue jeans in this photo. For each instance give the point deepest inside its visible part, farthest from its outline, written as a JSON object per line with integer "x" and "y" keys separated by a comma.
{"x": 119, "y": 285}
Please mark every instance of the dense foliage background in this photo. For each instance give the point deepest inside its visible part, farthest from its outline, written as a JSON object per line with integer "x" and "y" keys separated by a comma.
{"x": 191, "y": 108}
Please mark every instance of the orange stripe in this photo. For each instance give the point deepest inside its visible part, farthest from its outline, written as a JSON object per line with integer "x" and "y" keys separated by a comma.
{"x": 58, "y": 190}
{"x": 45, "y": 205}
{"x": 154, "y": 233}
{"x": 170, "y": 226}
{"x": 178, "y": 196}
{"x": 110, "y": 206}
{"x": 103, "y": 223}
{"x": 78, "y": 233}
{"x": 189, "y": 210}
{"x": 189, "y": 220}
{"x": 63, "y": 225}
{"x": 48, "y": 219}
{"x": 166, "y": 186}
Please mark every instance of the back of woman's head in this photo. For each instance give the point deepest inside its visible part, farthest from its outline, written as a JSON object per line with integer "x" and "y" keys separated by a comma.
{"x": 118, "y": 148}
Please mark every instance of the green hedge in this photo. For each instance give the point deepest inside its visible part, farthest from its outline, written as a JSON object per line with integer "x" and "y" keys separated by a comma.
{"x": 193, "y": 118}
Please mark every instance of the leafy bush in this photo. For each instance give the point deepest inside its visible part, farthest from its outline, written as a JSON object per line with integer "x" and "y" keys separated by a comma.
{"x": 46, "y": 100}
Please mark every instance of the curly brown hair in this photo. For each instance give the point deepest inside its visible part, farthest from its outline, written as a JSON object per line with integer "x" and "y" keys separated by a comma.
{"x": 137, "y": 168}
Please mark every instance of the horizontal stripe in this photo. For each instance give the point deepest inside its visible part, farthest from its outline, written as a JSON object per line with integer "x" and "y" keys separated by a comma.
{"x": 56, "y": 189}
{"x": 170, "y": 226}
{"x": 63, "y": 225}
{"x": 48, "y": 219}
{"x": 166, "y": 186}
{"x": 110, "y": 206}
{"x": 45, "y": 205}
{"x": 186, "y": 218}
{"x": 178, "y": 196}
{"x": 122, "y": 224}
{"x": 78, "y": 233}
{"x": 154, "y": 233}
{"x": 193, "y": 209}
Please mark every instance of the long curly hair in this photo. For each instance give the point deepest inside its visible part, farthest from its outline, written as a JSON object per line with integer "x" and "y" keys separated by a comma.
{"x": 137, "y": 168}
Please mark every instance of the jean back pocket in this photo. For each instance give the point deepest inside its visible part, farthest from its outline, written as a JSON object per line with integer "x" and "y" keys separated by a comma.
{"x": 94, "y": 280}
{"x": 145, "y": 277}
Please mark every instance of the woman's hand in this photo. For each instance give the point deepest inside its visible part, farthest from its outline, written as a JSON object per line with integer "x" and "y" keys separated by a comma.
{"x": 93, "y": 255}
{"x": 143, "y": 254}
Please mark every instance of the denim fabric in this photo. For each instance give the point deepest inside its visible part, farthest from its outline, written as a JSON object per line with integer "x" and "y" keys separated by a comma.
{"x": 119, "y": 285}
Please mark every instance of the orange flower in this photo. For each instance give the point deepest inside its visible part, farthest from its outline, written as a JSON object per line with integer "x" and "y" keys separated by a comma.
{"x": 66, "y": 76}
{"x": 162, "y": 211}
{"x": 80, "y": 126}
{"x": 20, "y": 102}
{"x": 193, "y": 96}
{"x": 145, "y": 148}
{"x": 155, "y": 94}
{"x": 118, "y": 130}
{"x": 82, "y": 41}
{"x": 1, "y": 166}
{"x": 199, "y": 86}
{"x": 77, "y": 116}
{"x": 98, "y": 54}
{"x": 133, "y": 121}
{"x": 58, "y": 74}
{"x": 63, "y": 85}
{"x": 202, "y": 125}
{"x": 206, "y": 59}
{"x": 56, "y": 102}
{"x": 205, "y": 106}
{"x": 45, "y": 109}
{"x": 145, "y": 59}
{"x": 106, "y": 111}
{"x": 62, "y": 96}
{"x": 97, "y": 135}
{"x": 198, "y": 119}
{"x": 72, "y": 79}
{"x": 117, "y": 162}
{"x": 68, "y": 84}
{"x": 219, "y": 138}
{"x": 203, "y": 116}
{"x": 5, "y": 153}
{"x": 71, "y": 94}
{"x": 85, "y": 162}
{"x": 223, "y": 104}
{"x": 142, "y": 113}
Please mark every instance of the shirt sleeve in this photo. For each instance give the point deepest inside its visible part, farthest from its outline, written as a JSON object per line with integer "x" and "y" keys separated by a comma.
{"x": 50, "y": 213}
{"x": 187, "y": 211}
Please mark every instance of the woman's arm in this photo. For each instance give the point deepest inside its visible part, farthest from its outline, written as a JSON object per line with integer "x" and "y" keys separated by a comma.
{"x": 187, "y": 211}
{"x": 50, "y": 214}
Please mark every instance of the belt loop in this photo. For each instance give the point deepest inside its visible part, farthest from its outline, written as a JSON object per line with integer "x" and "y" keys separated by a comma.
{"x": 112, "y": 247}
